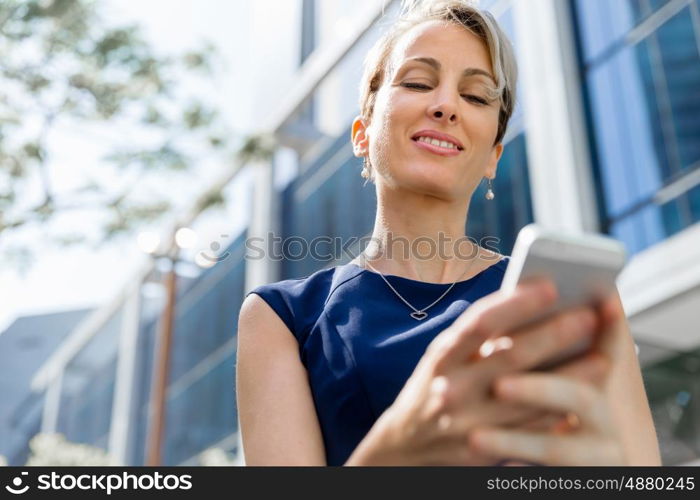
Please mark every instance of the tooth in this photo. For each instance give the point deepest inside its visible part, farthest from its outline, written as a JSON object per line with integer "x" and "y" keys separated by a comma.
{"x": 445, "y": 144}
{"x": 434, "y": 142}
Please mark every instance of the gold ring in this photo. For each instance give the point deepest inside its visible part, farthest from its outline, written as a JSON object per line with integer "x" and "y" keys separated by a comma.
{"x": 568, "y": 423}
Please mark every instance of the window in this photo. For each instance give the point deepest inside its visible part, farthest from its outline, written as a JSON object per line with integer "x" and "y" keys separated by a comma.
{"x": 644, "y": 111}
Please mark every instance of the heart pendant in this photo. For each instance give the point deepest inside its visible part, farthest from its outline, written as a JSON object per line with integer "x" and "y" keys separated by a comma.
{"x": 419, "y": 315}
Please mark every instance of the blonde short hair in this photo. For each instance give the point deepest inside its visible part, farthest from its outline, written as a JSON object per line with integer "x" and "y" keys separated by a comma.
{"x": 464, "y": 13}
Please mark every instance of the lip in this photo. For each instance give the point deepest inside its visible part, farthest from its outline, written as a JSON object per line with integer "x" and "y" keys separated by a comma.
{"x": 434, "y": 134}
{"x": 438, "y": 150}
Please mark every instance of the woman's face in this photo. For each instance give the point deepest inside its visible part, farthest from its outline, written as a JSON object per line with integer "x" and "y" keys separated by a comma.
{"x": 436, "y": 87}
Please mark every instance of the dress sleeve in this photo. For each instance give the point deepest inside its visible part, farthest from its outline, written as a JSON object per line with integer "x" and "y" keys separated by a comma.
{"x": 275, "y": 296}
{"x": 297, "y": 301}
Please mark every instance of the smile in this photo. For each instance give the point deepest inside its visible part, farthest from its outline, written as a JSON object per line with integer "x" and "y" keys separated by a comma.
{"x": 443, "y": 148}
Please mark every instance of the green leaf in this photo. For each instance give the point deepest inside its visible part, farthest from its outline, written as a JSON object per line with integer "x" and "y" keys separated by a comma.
{"x": 70, "y": 239}
{"x": 33, "y": 150}
{"x": 153, "y": 116}
{"x": 194, "y": 60}
{"x": 216, "y": 141}
{"x": 211, "y": 199}
{"x": 81, "y": 70}
{"x": 57, "y": 8}
{"x": 197, "y": 116}
{"x": 257, "y": 147}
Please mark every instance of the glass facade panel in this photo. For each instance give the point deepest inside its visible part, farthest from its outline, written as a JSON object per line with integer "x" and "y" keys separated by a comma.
{"x": 338, "y": 94}
{"x": 327, "y": 201}
{"x": 207, "y": 313}
{"x": 604, "y": 23}
{"x": 645, "y": 113}
{"x": 86, "y": 412}
{"x": 144, "y": 372}
{"x": 201, "y": 413}
{"x": 670, "y": 65}
{"x": 206, "y": 317}
{"x": 507, "y": 22}
{"x": 673, "y": 388}
{"x": 26, "y": 423}
{"x": 488, "y": 4}
{"x": 87, "y": 388}
{"x": 642, "y": 9}
{"x": 503, "y": 217}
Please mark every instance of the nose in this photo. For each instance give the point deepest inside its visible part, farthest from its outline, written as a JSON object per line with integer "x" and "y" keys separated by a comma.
{"x": 443, "y": 109}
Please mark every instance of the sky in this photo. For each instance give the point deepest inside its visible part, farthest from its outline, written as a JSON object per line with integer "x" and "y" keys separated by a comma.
{"x": 256, "y": 67}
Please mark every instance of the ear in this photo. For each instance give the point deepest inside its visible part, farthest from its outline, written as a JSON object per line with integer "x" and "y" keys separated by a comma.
{"x": 496, "y": 153}
{"x": 360, "y": 141}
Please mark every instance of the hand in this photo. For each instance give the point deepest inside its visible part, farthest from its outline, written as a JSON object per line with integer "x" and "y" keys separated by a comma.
{"x": 448, "y": 394}
{"x": 595, "y": 438}
{"x": 594, "y": 441}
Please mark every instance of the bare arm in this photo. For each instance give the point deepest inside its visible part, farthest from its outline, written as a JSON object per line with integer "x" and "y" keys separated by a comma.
{"x": 626, "y": 392}
{"x": 278, "y": 420}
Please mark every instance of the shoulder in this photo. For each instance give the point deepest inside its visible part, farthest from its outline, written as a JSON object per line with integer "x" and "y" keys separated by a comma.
{"x": 493, "y": 262}
{"x": 297, "y": 287}
{"x": 491, "y": 275}
{"x": 500, "y": 265}
{"x": 297, "y": 302}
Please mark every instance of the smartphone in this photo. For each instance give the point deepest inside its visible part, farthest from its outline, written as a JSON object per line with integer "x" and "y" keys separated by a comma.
{"x": 583, "y": 266}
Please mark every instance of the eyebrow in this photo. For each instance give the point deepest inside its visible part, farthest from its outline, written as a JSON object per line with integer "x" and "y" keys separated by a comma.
{"x": 435, "y": 64}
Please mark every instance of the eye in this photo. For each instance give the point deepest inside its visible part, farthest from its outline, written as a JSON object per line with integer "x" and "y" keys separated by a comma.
{"x": 419, "y": 86}
{"x": 475, "y": 99}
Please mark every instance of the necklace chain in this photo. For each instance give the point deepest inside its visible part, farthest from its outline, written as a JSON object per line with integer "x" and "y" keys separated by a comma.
{"x": 420, "y": 314}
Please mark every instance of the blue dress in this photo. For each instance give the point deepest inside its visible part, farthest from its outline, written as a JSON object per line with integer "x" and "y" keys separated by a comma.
{"x": 358, "y": 343}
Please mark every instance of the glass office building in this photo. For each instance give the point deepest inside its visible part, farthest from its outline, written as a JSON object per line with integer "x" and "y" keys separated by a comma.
{"x": 635, "y": 65}
{"x": 641, "y": 67}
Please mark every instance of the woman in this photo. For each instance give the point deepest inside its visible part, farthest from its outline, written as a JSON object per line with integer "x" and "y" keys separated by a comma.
{"x": 382, "y": 360}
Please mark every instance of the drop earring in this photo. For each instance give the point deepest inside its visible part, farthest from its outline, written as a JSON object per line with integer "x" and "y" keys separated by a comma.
{"x": 489, "y": 192}
{"x": 365, "y": 169}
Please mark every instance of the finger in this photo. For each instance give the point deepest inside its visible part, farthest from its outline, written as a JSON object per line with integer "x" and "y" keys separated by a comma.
{"x": 611, "y": 308}
{"x": 592, "y": 368}
{"x": 457, "y": 424}
{"x": 538, "y": 344}
{"x": 553, "y": 423}
{"x": 565, "y": 424}
{"x": 501, "y": 414}
{"x": 458, "y": 420}
{"x": 545, "y": 421}
{"x": 492, "y": 315}
{"x": 543, "y": 448}
{"x": 549, "y": 392}
{"x": 526, "y": 352}
{"x": 611, "y": 339}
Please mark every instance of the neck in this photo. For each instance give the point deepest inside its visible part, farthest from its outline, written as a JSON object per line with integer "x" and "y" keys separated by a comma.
{"x": 421, "y": 237}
